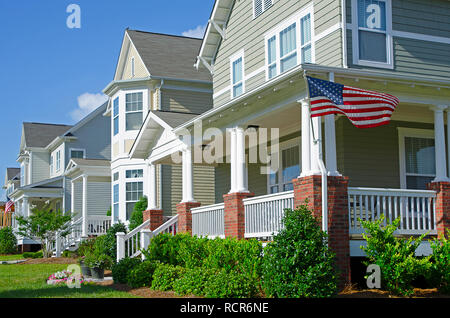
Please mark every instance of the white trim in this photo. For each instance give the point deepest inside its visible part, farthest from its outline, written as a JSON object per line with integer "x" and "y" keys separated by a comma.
{"x": 233, "y": 58}
{"x": 77, "y": 149}
{"x": 408, "y": 132}
{"x": 263, "y": 8}
{"x": 334, "y": 28}
{"x": 389, "y": 39}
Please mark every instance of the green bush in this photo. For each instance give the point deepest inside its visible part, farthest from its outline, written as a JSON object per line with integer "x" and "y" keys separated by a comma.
{"x": 193, "y": 282}
{"x": 121, "y": 269}
{"x": 166, "y": 275}
{"x": 85, "y": 247}
{"x": 111, "y": 240}
{"x": 38, "y": 254}
{"x": 8, "y": 241}
{"x": 166, "y": 248}
{"x": 298, "y": 263}
{"x": 396, "y": 256}
{"x": 137, "y": 217}
{"x": 439, "y": 273}
{"x": 230, "y": 284}
{"x": 141, "y": 275}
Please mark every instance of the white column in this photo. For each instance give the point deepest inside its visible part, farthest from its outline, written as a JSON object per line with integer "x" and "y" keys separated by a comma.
{"x": 151, "y": 187}
{"x": 439, "y": 144}
{"x": 72, "y": 198}
{"x": 188, "y": 185}
{"x": 84, "y": 230}
{"x": 306, "y": 138}
{"x": 330, "y": 141}
{"x": 26, "y": 207}
{"x": 233, "y": 158}
{"x": 120, "y": 245}
{"x": 241, "y": 167}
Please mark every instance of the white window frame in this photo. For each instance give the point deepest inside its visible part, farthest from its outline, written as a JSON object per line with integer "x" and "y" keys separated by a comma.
{"x": 233, "y": 59}
{"x": 77, "y": 149}
{"x": 283, "y": 146}
{"x": 264, "y": 9}
{"x": 414, "y": 133}
{"x": 131, "y": 180}
{"x": 115, "y": 203}
{"x": 389, "y": 39}
{"x": 295, "y": 18}
{"x": 58, "y": 160}
{"x": 114, "y": 117}
{"x": 51, "y": 165}
{"x": 133, "y": 111}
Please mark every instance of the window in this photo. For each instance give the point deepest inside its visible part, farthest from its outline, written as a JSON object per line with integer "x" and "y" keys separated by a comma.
{"x": 290, "y": 43}
{"x": 133, "y": 111}
{"x": 237, "y": 71}
{"x": 132, "y": 67}
{"x": 372, "y": 38}
{"x": 116, "y": 116}
{"x": 115, "y": 176}
{"x": 51, "y": 164}
{"x": 22, "y": 175}
{"x": 58, "y": 160}
{"x": 116, "y": 202}
{"x": 289, "y": 169}
{"x": 417, "y": 158}
{"x": 138, "y": 173}
{"x": 77, "y": 153}
{"x": 259, "y": 6}
{"x": 133, "y": 193}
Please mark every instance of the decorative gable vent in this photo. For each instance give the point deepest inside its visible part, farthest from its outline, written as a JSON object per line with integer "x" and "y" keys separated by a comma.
{"x": 259, "y": 6}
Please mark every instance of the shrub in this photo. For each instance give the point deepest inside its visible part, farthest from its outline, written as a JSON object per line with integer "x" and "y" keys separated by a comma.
{"x": 166, "y": 248}
{"x": 440, "y": 263}
{"x": 137, "y": 217}
{"x": 38, "y": 254}
{"x": 166, "y": 275}
{"x": 193, "y": 281}
{"x": 395, "y": 256}
{"x": 85, "y": 247}
{"x": 298, "y": 263}
{"x": 121, "y": 269}
{"x": 230, "y": 284}
{"x": 141, "y": 275}
{"x": 8, "y": 241}
{"x": 111, "y": 240}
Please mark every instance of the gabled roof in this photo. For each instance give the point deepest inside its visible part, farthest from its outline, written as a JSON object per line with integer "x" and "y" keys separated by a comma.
{"x": 91, "y": 162}
{"x": 39, "y": 135}
{"x": 214, "y": 31}
{"x": 11, "y": 173}
{"x": 169, "y": 56}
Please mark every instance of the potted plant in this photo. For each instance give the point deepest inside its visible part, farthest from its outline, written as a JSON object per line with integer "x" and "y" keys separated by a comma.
{"x": 97, "y": 263}
{"x": 85, "y": 270}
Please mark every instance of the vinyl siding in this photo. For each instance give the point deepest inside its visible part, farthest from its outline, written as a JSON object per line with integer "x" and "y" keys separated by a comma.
{"x": 329, "y": 50}
{"x": 78, "y": 199}
{"x": 140, "y": 70}
{"x": 40, "y": 166}
{"x": 185, "y": 101}
{"x": 98, "y": 197}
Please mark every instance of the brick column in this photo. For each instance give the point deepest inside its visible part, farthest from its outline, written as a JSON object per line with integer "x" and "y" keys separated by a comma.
{"x": 442, "y": 205}
{"x": 310, "y": 187}
{"x": 185, "y": 216}
{"x": 155, "y": 216}
{"x": 235, "y": 214}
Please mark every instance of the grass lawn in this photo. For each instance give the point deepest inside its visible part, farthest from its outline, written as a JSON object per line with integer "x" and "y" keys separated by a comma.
{"x": 29, "y": 281}
{"x": 15, "y": 257}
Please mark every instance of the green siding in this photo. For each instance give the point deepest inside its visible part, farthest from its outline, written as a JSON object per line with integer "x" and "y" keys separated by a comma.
{"x": 329, "y": 50}
{"x": 185, "y": 101}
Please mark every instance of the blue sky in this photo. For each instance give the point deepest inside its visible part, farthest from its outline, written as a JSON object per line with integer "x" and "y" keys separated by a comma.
{"x": 52, "y": 74}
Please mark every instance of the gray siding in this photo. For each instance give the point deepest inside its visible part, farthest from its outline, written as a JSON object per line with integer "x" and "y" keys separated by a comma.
{"x": 185, "y": 101}
{"x": 40, "y": 166}
{"x": 98, "y": 197}
{"x": 78, "y": 199}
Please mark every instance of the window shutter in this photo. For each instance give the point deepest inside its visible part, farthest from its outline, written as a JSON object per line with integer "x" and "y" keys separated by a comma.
{"x": 267, "y": 4}
{"x": 258, "y": 7}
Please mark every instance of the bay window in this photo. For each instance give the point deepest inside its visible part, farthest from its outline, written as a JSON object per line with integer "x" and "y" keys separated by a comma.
{"x": 134, "y": 192}
{"x": 133, "y": 111}
{"x": 116, "y": 202}
{"x": 116, "y": 116}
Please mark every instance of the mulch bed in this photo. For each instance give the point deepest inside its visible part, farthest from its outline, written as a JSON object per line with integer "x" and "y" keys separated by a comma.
{"x": 376, "y": 293}
{"x": 52, "y": 260}
{"x": 144, "y": 292}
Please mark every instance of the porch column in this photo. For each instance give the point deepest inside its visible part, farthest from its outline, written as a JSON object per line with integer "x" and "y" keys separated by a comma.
{"x": 306, "y": 138}
{"x": 240, "y": 164}
{"x": 330, "y": 141}
{"x": 72, "y": 198}
{"x": 188, "y": 202}
{"x": 439, "y": 141}
{"x": 152, "y": 213}
{"x": 84, "y": 228}
{"x": 26, "y": 207}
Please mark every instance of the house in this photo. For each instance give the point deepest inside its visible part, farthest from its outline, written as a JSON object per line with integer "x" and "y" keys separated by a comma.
{"x": 12, "y": 180}
{"x": 258, "y": 53}
{"x": 51, "y": 155}
{"x": 155, "y": 89}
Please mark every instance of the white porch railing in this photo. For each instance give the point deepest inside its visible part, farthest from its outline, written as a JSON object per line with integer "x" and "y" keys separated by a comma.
{"x": 263, "y": 214}
{"x": 416, "y": 209}
{"x": 209, "y": 221}
{"x": 131, "y": 244}
{"x": 98, "y": 225}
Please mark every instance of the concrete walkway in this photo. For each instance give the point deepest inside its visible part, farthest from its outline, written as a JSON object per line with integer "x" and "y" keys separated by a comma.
{"x": 12, "y": 262}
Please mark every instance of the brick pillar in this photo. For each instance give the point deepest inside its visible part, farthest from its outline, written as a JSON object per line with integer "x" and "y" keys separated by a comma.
{"x": 235, "y": 214}
{"x": 155, "y": 216}
{"x": 185, "y": 216}
{"x": 310, "y": 188}
{"x": 442, "y": 205}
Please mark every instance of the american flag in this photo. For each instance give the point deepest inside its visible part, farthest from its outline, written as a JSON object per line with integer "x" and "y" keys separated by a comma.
{"x": 9, "y": 205}
{"x": 363, "y": 108}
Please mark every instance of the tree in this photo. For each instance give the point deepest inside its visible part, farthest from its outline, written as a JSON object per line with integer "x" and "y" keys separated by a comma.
{"x": 44, "y": 225}
{"x": 137, "y": 217}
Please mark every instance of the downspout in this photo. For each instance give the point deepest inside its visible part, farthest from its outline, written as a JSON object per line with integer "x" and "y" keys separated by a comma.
{"x": 159, "y": 94}
{"x": 344, "y": 33}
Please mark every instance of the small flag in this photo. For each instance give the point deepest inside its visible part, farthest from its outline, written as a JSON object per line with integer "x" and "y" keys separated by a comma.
{"x": 9, "y": 205}
{"x": 363, "y": 108}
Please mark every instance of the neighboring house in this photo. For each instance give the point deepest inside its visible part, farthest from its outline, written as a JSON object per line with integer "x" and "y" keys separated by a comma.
{"x": 45, "y": 152}
{"x": 155, "y": 84}
{"x": 258, "y": 53}
{"x": 12, "y": 180}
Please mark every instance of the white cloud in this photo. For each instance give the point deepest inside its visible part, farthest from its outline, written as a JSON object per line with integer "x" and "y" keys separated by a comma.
{"x": 198, "y": 32}
{"x": 87, "y": 102}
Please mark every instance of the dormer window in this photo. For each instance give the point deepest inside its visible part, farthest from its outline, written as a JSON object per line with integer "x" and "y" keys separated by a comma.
{"x": 260, "y": 6}
{"x": 116, "y": 116}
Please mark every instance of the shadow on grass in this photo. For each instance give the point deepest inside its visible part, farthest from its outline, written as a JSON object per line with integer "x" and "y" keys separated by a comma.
{"x": 63, "y": 291}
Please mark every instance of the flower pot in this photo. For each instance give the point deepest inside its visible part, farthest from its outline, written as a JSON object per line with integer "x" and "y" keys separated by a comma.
{"x": 85, "y": 270}
{"x": 97, "y": 273}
